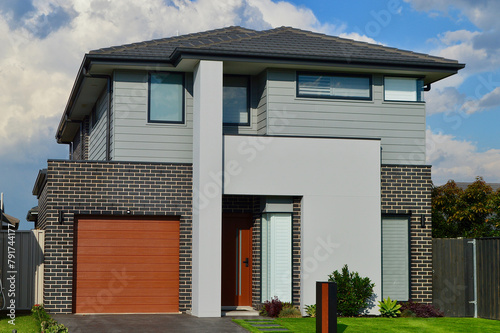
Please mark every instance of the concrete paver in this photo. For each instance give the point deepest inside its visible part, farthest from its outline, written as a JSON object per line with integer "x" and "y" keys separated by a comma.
{"x": 147, "y": 323}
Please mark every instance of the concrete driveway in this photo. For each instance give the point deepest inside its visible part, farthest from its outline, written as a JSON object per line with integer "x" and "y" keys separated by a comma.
{"x": 147, "y": 323}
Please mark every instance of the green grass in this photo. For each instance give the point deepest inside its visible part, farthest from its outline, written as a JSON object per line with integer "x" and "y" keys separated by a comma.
{"x": 439, "y": 325}
{"x": 24, "y": 324}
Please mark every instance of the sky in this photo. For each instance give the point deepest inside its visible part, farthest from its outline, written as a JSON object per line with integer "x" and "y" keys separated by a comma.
{"x": 43, "y": 43}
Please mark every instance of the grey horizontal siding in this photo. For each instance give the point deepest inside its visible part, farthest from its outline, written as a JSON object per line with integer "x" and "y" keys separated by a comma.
{"x": 97, "y": 138}
{"x": 400, "y": 126}
{"x": 262, "y": 103}
{"x": 137, "y": 140}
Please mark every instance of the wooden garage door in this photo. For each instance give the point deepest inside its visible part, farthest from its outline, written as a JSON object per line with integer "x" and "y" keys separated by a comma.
{"x": 125, "y": 265}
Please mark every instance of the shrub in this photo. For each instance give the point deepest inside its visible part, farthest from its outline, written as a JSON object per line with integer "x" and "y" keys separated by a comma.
{"x": 289, "y": 311}
{"x": 38, "y": 312}
{"x": 421, "y": 310}
{"x": 262, "y": 310}
{"x": 389, "y": 308}
{"x": 407, "y": 313}
{"x": 311, "y": 310}
{"x": 353, "y": 291}
{"x": 51, "y": 326}
{"x": 273, "y": 308}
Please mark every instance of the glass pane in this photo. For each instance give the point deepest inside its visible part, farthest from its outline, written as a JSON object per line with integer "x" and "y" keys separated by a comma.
{"x": 276, "y": 258}
{"x": 166, "y": 97}
{"x": 235, "y": 101}
{"x": 403, "y": 89}
{"x": 334, "y": 86}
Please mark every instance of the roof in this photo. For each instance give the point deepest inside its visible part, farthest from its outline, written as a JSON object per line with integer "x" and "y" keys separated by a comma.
{"x": 9, "y": 219}
{"x": 283, "y": 42}
{"x": 283, "y": 47}
{"x": 464, "y": 185}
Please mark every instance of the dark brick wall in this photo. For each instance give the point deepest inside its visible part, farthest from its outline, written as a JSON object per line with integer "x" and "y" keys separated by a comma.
{"x": 81, "y": 142}
{"x": 251, "y": 205}
{"x": 405, "y": 190}
{"x": 109, "y": 188}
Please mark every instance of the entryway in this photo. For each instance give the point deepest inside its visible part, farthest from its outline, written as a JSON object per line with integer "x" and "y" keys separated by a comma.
{"x": 236, "y": 260}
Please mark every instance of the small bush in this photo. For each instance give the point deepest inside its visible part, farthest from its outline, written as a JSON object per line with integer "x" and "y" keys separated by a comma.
{"x": 407, "y": 313}
{"x": 289, "y": 311}
{"x": 38, "y": 312}
{"x": 353, "y": 291}
{"x": 389, "y": 308}
{"x": 273, "y": 308}
{"x": 421, "y": 310}
{"x": 262, "y": 310}
{"x": 311, "y": 310}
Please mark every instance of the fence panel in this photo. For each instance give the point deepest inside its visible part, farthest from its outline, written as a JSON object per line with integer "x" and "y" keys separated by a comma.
{"x": 27, "y": 256}
{"x": 453, "y": 276}
{"x": 488, "y": 278}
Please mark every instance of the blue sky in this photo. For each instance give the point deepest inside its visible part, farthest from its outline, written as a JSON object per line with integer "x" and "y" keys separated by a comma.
{"x": 43, "y": 43}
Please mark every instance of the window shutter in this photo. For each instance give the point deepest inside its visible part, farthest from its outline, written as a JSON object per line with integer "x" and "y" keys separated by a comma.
{"x": 395, "y": 258}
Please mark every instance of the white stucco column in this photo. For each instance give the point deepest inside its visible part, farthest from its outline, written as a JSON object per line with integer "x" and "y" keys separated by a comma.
{"x": 207, "y": 191}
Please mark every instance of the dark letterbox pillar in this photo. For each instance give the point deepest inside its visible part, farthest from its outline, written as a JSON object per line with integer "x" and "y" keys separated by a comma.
{"x": 326, "y": 307}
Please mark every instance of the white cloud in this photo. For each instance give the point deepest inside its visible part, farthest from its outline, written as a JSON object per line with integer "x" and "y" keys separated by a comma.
{"x": 443, "y": 100}
{"x": 37, "y": 70}
{"x": 460, "y": 160}
{"x": 358, "y": 37}
{"x": 486, "y": 102}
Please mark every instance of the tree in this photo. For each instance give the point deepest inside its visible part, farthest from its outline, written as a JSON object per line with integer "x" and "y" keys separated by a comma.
{"x": 473, "y": 212}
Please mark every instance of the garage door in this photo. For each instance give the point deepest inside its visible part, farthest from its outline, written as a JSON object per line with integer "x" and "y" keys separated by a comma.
{"x": 126, "y": 265}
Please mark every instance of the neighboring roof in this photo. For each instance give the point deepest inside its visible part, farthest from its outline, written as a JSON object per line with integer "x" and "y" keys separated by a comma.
{"x": 9, "y": 219}
{"x": 40, "y": 181}
{"x": 464, "y": 185}
{"x": 283, "y": 42}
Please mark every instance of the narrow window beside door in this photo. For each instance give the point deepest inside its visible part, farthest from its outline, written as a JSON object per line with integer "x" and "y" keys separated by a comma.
{"x": 276, "y": 257}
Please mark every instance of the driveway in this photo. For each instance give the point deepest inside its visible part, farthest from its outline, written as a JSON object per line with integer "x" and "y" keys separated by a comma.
{"x": 147, "y": 323}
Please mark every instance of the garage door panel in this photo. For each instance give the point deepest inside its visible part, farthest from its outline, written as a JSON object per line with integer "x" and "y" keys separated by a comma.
{"x": 126, "y": 234}
{"x": 126, "y": 266}
{"x": 144, "y": 268}
{"x": 141, "y": 251}
{"x": 124, "y": 243}
{"x": 126, "y": 308}
{"x": 159, "y": 260}
{"x": 117, "y": 225}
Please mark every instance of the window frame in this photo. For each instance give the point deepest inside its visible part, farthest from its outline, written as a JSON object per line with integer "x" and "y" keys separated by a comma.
{"x": 402, "y": 217}
{"x": 249, "y": 113}
{"x": 355, "y": 75}
{"x": 417, "y": 78}
{"x": 183, "y": 106}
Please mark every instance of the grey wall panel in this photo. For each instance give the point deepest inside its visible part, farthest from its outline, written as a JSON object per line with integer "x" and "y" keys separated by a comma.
{"x": 137, "y": 140}
{"x": 401, "y": 126}
{"x": 97, "y": 138}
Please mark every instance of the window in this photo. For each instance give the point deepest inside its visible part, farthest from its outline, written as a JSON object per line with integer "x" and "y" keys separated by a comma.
{"x": 166, "y": 97}
{"x": 403, "y": 89}
{"x": 395, "y": 258}
{"x": 236, "y": 108}
{"x": 334, "y": 86}
{"x": 276, "y": 256}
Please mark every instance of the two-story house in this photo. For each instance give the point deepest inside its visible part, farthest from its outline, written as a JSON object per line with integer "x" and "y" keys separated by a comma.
{"x": 223, "y": 168}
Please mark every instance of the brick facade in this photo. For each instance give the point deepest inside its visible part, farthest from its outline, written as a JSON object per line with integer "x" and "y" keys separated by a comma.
{"x": 79, "y": 188}
{"x": 406, "y": 190}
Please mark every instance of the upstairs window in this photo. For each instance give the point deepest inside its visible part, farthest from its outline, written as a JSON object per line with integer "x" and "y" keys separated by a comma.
{"x": 236, "y": 104}
{"x": 166, "y": 98}
{"x": 334, "y": 86}
{"x": 403, "y": 89}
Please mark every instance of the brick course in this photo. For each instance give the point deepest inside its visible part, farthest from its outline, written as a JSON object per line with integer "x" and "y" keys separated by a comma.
{"x": 406, "y": 190}
{"x": 109, "y": 188}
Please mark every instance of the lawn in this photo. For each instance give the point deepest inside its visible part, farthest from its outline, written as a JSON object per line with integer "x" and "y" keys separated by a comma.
{"x": 24, "y": 324}
{"x": 445, "y": 325}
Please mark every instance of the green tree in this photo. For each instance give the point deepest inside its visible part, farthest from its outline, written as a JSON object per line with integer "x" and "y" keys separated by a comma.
{"x": 473, "y": 212}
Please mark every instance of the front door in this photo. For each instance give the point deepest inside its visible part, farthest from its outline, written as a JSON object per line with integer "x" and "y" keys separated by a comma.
{"x": 236, "y": 259}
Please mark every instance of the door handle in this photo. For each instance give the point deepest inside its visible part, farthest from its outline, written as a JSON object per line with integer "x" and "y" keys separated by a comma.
{"x": 246, "y": 262}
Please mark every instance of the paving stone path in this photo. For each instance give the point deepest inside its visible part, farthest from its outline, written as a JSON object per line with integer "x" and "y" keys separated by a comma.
{"x": 266, "y": 325}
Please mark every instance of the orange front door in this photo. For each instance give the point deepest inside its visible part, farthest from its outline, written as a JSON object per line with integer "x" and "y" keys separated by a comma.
{"x": 236, "y": 259}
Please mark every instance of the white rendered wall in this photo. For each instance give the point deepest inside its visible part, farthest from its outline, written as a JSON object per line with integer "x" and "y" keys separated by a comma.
{"x": 207, "y": 195}
{"x": 339, "y": 181}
